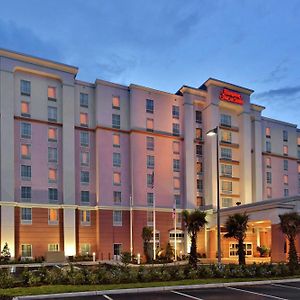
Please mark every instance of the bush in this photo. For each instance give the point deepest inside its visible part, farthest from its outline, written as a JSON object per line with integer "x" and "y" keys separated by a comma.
{"x": 126, "y": 258}
{"x": 6, "y": 280}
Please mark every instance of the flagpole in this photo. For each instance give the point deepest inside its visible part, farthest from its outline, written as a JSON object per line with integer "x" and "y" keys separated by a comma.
{"x": 175, "y": 239}
{"x": 154, "y": 220}
{"x": 131, "y": 227}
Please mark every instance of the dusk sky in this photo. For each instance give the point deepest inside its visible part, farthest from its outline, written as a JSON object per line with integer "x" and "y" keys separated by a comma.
{"x": 164, "y": 44}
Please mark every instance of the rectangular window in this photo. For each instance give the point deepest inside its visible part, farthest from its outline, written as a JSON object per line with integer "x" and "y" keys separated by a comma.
{"x": 298, "y": 154}
{"x": 225, "y": 120}
{"x": 52, "y": 175}
{"x": 150, "y": 124}
{"x": 52, "y": 216}
{"x": 268, "y": 162}
{"x": 285, "y": 150}
{"x": 85, "y": 249}
{"x": 199, "y": 201}
{"x": 269, "y": 192}
{"x": 52, "y": 114}
{"x": 84, "y": 119}
{"x": 53, "y": 247}
{"x": 150, "y": 218}
{"x": 150, "y": 199}
{"x": 285, "y": 165}
{"x": 150, "y": 143}
{"x": 286, "y": 192}
{"x": 52, "y": 195}
{"x": 176, "y": 183}
{"x": 25, "y": 87}
{"x": 26, "y": 250}
{"x": 25, "y": 130}
{"x": 84, "y": 100}
{"x": 25, "y": 172}
{"x": 25, "y": 151}
{"x": 226, "y": 187}
{"x": 269, "y": 177}
{"x": 117, "y": 178}
{"x": 198, "y": 116}
{"x": 85, "y": 197}
{"x": 286, "y": 179}
{"x": 52, "y": 134}
{"x": 176, "y": 129}
{"x": 268, "y": 146}
{"x": 268, "y": 132}
{"x": 25, "y": 112}
{"x": 85, "y": 217}
{"x": 226, "y": 153}
{"x": 52, "y": 154}
{"x": 25, "y": 193}
{"x": 176, "y": 165}
{"x": 233, "y": 249}
{"x": 226, "y": 202}
{"x": 226, "y": 170}
{"x": 117, "y": 198}
{"x": 226, "y": 136}
{"x": 176, "y": 147}
{"x": 200, "y": 185}
{"x": 285, "y": 136}
{"x": 117, "y": 159}
{"x": 298, "y": 168}
{"x": 116, "y": 140}
{"x": 298, "y": 140}
{"x": 177, "y": 201}
{"x": 116, "y": 121}
{"x": 150, "y": 180}
{"x": 150, "y": 162}
{"x": 175, "y": 112}
{"x": 149, "y": 106}
{"x": 84, "y": 158}
{"x": 116, "y": 102}
{"x": 117, "y": 250}
{"x": 199, "y": 168}
{"x": 117, "y": 218}
{"x": 199, "y": 133}
{"x": 26, "y": 215}
{"x": 199, "y": 150}
{"x": 178, "y": 220}
{"x": 84, "y": 139}
{"x": 51, "y": 93}
{"x": 84, "y": 176}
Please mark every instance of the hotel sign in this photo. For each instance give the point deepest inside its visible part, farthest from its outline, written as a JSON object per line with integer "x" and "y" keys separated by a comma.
{"x": 230, "y": 96}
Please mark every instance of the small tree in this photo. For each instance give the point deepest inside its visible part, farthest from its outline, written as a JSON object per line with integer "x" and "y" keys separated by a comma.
{"x": 290, "y": 226}
{"x": 169, "y": 253}
{"x": 193, "y": 222}
{"x": 5, "y": 253}
{"x": 236, "y": 227}
{"x": 147, "y": 236}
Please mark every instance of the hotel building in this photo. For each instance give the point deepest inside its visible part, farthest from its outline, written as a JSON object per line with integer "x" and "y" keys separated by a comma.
{"x": 82, "y": 164}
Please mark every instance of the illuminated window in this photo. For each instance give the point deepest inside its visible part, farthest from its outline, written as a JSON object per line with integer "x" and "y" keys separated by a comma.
{"x": 84, "y": 138}
{"x": 198, "y": 116}
{"x": 268, "y": 132}
{"x": 25, "y": 151}
{"x": 84, "y": 100}
{"x": 26, "y": 250}
{"x": 150, "y": 161}
{"x": 53, "y": 247}
{"x": 84, "y": 177}
{"x": 150, "y": 218}
{"x": 116, "y": 102}
{"x": 176, "y": 147}
{"x": 116, "y": 121}
{"x": 117, "y": 178}
{"x": 85, "y": 217}
{"x": 175, "y": 112}
{"x": 25, "y": 172}
{"x": 176, "y": 165}
{"x": 85, "y": 249}
{"x": 268, "y": 146}
{"x": 268, "y": 162}
{"x": 25, "y": 130}
{"x": 52, "y": 154}
{"x": 52, "y": 195}
{"x": 52, "y": 113}
{"x": 52, "y": 134}
{"x": 285, "y": 136}
{"x": 25, "y": 109}
{"x": 150, "y": 143}
{"x": 53, "y": 216}
{"x": 286, "y": 179}
{"x": 52, "y": 175}
{"x": 226, "y": 170}
{"x": 285, "y": 150}
{"x": 269, "y": 192}
{"x": 84, "y": 158}
{"x": 298, "y": 140}
{"x": 285, "y": 165}
{"x": 176, "y": 129}
{"x": 269, "y": 177}
{"x": 226, "y": 136}
{"x": 150, "y": 125}
{"x": 26, "y": 215}
{"x": 226, "y": 202}
{"x": 176, "y": 183}
{"x": 226, "y": 187}
{"x": 199, "y": 133}
{"x": 150, "y": 198}
{"x": 51, "y": 93}
{"x": 149, "y": 106}
{"x": 25, "y": 87}
{"x": 226, "y": 120}
{"x": 199, "y": 168}
{"x": 299, "y": 168}
{"x": 25, "y": 193}
{"x": 85, "y": 197}
{"x": 116, "y": 140}
{"x": 117, "y": 197}
{"x": 286, "y": 192}
{"x": 117, "y": 218}
{"x": 84, "y": 119}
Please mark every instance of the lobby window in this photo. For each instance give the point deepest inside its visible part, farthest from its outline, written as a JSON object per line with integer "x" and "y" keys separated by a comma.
{"x": 198, "y": 116}
{"x": 150, "y": 124}
{"x": 177, "y": 201}
{"x": 25, "y": 130}
{"x": 116, "y": 159}
{"x": 85, "y": 249}
{"x": 150, "y": 143}
{"x": 26, "y": 215}
{"x": 150, "y": 218}
{"x": 117, "y": 218}
{"x": 116, "y": 102}
{"x": 226, "y": 202}
{"x": 199, "y": 133}
{"x": 52, "y": 216}
{"x": 269, "y": 177}
{"x": 200, "y": 185}
{"x": 286, "y": 179}
{"x": 150, "y": 198}
{"x": 25, "y": 87}
{"x": 85, "y": 197}
{"x": 116, "y": 140}
{"x": 268, "y": 146}
{"x": 149, "y": 106}
{"x": 150, "y": 180}
{"x": 51, "y": 93}
{"x": 150, "y": 162}
{"x": 84, "y": 119}
{"x": 225, "y": 120}
{"x": 175, "y": 112}
{"x": 226, "y": 170}
{"x": 199, "y": 150}
{"x": 26, "y": 250}
{"x": 226, "y": 136}
{"x": 199, "y": 168}
{"x": 85, "y": 217}
{"x": 285, "y": 165}
{"x": 286, "y": 192}
{"x": 84, "y": 177}
{"x": 176, "y": 183}
{"x": 25, "y": 111}
{"x": 285, "y": 136}
{"x": 285, "y": 150}
{"x": 84, "y": 139}
{"x": 84, "y": 100}
{"x": 176, "y": 129}
{"x": 53, "y": 247}
{"x": 52, "y": 154}
{"x": 117, "y": 178}
{"x": 25, "y": 193}
{"x": 25, "y": 172}
{"x": 226, "y": 153}
{"x": 176, "y": 165}
{"x": 52, "y": 113}
{"x": 176, "y": 147}
{"x": 226, "y": 187}
{"x": 268, "y": 132}
{"x": 117, "y": 197}
{"x": 116, "y": 121}
{"x": 269, "y": 192}
{"x": 268, "y": 162}
{"x": 52, "y": 195}
{"x": 84, "y": 158}
{"x": 52, "y": 134}
{"x": 25, "y": 151}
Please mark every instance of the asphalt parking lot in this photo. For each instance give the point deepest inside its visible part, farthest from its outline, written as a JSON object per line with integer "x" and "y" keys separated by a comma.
{"x": 280, "y": 291}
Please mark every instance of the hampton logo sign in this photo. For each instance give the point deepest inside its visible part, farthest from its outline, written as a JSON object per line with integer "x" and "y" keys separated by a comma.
{"x": 230, "y": 96}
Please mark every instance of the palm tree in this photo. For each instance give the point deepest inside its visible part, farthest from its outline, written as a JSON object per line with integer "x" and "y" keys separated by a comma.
{"x": 193, "y": 222}
{"x": 290, "y": 226}
{"x": 236, "y": 227}
{"x": 147, "y": 236}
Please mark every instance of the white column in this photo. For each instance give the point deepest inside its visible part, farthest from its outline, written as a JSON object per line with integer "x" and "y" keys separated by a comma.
{"x": 69, "y": 231}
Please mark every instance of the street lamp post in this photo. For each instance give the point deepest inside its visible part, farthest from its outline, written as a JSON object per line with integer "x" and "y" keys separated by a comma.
{"x": 215, "y": 132}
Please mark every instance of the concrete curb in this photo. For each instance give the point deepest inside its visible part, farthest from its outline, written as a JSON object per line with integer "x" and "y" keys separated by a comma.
{"x": 156, "y": 289}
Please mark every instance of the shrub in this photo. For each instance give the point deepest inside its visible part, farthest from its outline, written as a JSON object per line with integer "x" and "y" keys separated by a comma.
{"x": 126, "y": 258}
{"x": 6, "y": 280}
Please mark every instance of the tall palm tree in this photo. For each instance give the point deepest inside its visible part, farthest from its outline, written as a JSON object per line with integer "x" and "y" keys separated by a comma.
{"x": 147, "y": 236}
{"x": 290, "y": 226}
{"x": 193, "y": 222}
{"x": 236, "y": 227}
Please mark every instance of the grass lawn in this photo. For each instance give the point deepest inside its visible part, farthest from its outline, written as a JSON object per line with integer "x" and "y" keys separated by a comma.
{"x": 56, "y": 289}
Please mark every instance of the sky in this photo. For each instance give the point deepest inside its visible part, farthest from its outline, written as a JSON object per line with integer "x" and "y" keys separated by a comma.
{"x": 165, "y": 44}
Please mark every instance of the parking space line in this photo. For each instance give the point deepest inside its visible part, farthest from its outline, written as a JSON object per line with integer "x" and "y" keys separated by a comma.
{"x": 285, "y": 286}
{"x": 107, "y": 297}
{"x": 186, "y": 295}
{"x": 254, "y": 293}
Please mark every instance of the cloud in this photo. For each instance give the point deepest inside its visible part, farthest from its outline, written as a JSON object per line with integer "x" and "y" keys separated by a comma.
{"x": 285, "y": 92}
{"x": 278, "y": 73}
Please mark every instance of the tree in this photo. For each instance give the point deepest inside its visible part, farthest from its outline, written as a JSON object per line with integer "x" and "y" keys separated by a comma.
{"x": 193, "y": 222}
{"x": 290, "y": 226}
{"x": 169, "y": 252}
{"x": 5, "y": 253}
{"x": 236, "y": 227}
{"x": 147, "y": 236}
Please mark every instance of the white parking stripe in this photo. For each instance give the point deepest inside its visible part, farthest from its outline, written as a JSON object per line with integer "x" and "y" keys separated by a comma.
{"x": 186, "y": 295}
{"x": 285, "y": 286}
{"x": 254, "y": 293}
{"x": 107, "y": 297}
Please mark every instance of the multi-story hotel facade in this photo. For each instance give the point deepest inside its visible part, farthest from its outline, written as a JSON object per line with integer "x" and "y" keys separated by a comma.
{"x": 84, "y": 164}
